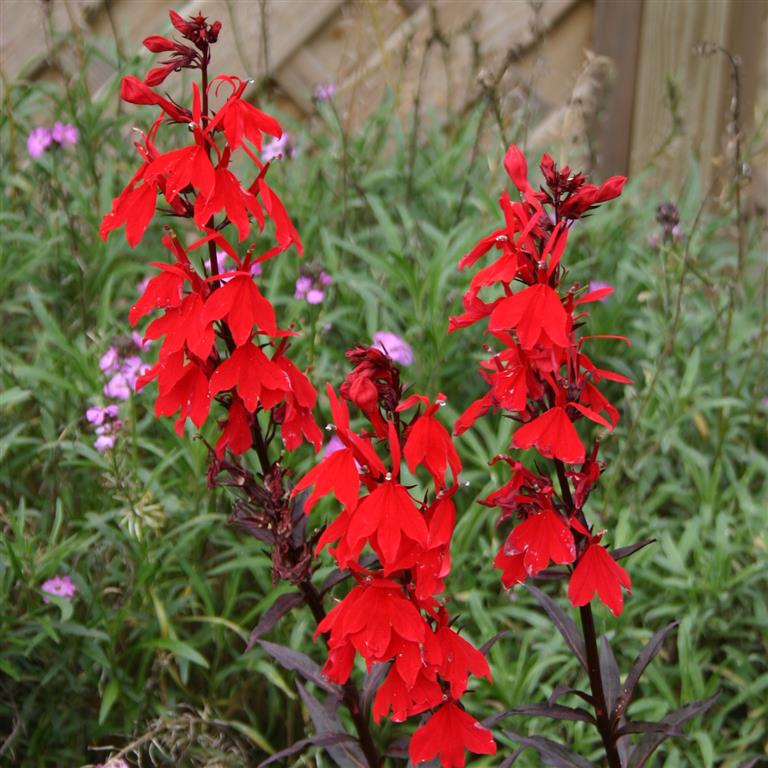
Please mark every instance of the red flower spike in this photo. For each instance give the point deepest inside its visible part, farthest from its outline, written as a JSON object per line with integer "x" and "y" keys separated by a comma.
{"x": 598, "y": 572}
{"x": 535, "y": 313}
{"x": 248, "y": 369}
{"x": 236, "y": 433}
{"x": 243, "y": 306}
{"x": 447, "y": 734}
{"x": 540, "y": 538}
{"x": 554, "y": 436}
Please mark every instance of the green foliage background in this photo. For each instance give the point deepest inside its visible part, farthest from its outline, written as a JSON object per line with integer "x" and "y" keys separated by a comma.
{"x": 152, "y": 646}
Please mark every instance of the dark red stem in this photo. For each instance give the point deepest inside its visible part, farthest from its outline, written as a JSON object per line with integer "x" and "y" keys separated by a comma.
{"x": 602, "y": 715}
{"x": 351, "y": 696}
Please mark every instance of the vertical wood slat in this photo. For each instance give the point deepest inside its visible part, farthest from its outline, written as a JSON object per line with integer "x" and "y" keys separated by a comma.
{"x": 669, "y": 31}
{"x": 616, "y": 34}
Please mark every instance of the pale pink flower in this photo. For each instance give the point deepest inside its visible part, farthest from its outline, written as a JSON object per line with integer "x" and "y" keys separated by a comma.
{"x": 58, "y": 586}
{"x": 38, "y": 141}
{"x": 398, "y": 349}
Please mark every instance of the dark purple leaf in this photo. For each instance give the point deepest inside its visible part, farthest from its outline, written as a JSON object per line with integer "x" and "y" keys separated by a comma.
{"x": 299, "y": 662}
{"x": 644, "y": 726}
{"x": 555, "y": 712}
{"x": 276, "y": 611}
{"x": 344, "y": 755}
{"x": 324, "y": 740}
{"x": 551, "y": 752}
{"x": 563, "y": 689}
{"x": 609, "y": 672}
{"x": 565, "y": 625}
{"x": 372, "y": 682}
{"x": 622, "y": 552}
{"x": 643, "y": 659}
{"x": 648, "y": 744}
{"x": 512, "y": 758}
{"x": 488, "y": 644}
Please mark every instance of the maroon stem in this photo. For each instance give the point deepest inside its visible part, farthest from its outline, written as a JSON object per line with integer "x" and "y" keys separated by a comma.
{"x": 602, "y": 715}
{"x": 351, "y": 695}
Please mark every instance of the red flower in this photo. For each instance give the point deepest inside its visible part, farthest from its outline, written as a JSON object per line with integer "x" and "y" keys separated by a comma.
{"x": 406, "y": 699}
{"x": 248, "y": 370}
{"x": 541, "y": 538}
{"x": 336, "y": 473}
{"x": 554, "y": 436}
{"x": 429, "y": 443}
{"x": 459, "y": 660}
{"x": 228, "y": 195}
{"x": 447, "y": 734}
{"x": 598, "y": 572}
{"x": 387, "y": 517}
{"x": 236, "y": 434}
{"x": 535, "y": 313}
{"x": 512, "y": 568}
{"x": 241, "y": 303}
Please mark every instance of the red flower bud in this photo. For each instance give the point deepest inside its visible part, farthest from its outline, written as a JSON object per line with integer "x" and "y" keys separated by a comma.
{"x": 159, "y": 44}
{"x": 156, "y": 75}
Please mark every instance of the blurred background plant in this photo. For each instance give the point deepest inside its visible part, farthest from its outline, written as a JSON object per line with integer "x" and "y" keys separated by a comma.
{"x": 127, "y": 600}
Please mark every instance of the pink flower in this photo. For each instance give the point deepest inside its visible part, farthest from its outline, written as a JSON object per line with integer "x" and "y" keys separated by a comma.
{"x": 398, "y": 349}
{"x": 303, "y": 285}
{"x": 325, "y": 91}
{"x": 278, "y": 148}
{"x": 118, "y": 387}
{"x": 104, "y": 443}
{"x": 59, "y": 586}
{"x": 110, "y": 360}
{"x": 38, "y": 141}
{"x": 333, "y": 445}
{"x": 314, "y": 296}
{"x": 64, "y": 134}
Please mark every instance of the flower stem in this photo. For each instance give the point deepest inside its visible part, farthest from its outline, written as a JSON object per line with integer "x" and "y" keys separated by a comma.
{"x": 602, "y": 715}
{"x": 351, "y": 695}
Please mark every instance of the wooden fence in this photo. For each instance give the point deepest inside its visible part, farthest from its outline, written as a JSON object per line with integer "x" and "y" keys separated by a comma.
{"x": 547, "y": 54}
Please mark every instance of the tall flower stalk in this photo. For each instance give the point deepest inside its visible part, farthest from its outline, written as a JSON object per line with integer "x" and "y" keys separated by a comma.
{"x": 542, "y": 378}
{"x": 223, "y": 353}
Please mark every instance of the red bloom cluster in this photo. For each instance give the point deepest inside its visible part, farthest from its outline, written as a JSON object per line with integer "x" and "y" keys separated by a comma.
{"x": 393, "y": 615}
{"x": 543, "y": 378}
{"x": 220, "y": 335}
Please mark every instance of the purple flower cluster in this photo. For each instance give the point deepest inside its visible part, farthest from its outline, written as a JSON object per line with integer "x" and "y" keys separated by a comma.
{"x": 311, "y": 284}
{"x": 62, "y": 134}
{"x": 58, "y": 586}
{"x": 123, "y": 366}
{"x": 107, "y": 425}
